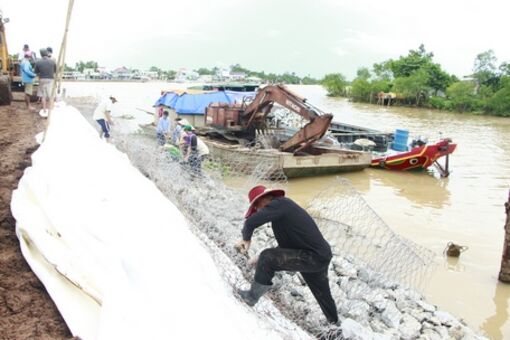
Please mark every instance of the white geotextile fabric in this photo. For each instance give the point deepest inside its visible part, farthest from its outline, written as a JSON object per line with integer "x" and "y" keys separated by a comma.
{"x": 116, "y": 256}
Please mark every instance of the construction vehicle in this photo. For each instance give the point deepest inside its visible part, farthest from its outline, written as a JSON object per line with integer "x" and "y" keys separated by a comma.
{"x": 244, "y": 121}
{"x": 10, "y": 77}
{"x": 5, "y": 66}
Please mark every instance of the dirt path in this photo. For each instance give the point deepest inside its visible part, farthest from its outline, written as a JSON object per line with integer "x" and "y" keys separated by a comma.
{"x": 26, "y": 310}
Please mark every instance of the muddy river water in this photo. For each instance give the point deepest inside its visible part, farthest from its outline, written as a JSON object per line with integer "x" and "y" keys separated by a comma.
{"x": 466, "y": 208}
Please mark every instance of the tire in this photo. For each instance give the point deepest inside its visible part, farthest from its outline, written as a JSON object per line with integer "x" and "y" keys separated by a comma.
{"x": 5, "y": 90}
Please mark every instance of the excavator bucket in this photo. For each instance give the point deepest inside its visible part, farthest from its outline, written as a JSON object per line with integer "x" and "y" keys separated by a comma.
{"x": 309, "y": 133}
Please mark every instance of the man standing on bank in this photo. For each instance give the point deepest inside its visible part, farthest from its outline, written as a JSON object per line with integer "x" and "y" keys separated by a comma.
{"x": 301, "y": 247}
{"x": 45, "y": 68}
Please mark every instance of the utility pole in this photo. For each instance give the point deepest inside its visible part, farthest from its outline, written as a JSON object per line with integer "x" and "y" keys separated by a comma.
{"x": 504, "y": 273}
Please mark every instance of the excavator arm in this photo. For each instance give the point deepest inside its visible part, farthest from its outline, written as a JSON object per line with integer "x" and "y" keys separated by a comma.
{"x": 260, "y": 107}
{"x": 308, "y": 134}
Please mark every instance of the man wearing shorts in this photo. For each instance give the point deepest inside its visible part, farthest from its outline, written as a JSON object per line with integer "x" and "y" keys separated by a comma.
{"x": 27, "y": 78}
{"x": 45, "y": 68}
{"x": 102, "y": 115}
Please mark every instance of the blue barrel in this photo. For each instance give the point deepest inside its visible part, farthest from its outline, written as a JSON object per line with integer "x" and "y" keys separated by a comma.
{"x": 400, "y": 141}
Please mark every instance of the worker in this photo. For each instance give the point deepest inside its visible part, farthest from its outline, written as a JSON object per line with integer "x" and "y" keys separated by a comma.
{"x": 202, "y": 149}
{"x": 102, "y": 115}
{"x": 301, "y": 247}
{"x": 45, "y": 68}
{"x": 49, "y": 50}
{"x": 163, "y": 129}
{"x": 27, "y": 77}
{"x": 176, "y": 135}
{"x": 191, "y": 155}
{"x": 26, "y": 51}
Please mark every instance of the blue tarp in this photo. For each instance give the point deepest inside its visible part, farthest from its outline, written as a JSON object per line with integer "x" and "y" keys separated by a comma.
{"x": 239, "y": 97}
{"x": 192, "y": 104}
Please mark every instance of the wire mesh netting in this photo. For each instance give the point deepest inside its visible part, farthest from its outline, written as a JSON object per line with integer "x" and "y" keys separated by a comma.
{"x": 214, "y": 200}
{"x": 354, "y": 229}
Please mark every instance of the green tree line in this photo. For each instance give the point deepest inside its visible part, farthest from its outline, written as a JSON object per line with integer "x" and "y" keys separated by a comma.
{"x": 415, "y": 79}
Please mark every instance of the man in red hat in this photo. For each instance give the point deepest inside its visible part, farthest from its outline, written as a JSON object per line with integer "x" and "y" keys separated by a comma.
{"x": 301, "y": 247}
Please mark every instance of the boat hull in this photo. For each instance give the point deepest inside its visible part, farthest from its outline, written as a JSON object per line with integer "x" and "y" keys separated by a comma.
{"x": 330, "y": 160}
{"x": 418, "y": 158}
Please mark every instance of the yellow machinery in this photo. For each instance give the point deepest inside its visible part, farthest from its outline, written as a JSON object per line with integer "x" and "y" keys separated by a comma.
{"x": 5, "y": 66}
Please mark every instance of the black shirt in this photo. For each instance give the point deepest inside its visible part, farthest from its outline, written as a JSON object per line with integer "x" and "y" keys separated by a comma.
{"x": 292, "y": 226}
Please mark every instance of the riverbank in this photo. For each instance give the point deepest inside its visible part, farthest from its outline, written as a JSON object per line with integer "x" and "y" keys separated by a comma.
{"x": 27, "y": 311}
{"x": 368, "y": 304}
{"x": 431, "y": 107}
{"x": 465, "y": 208}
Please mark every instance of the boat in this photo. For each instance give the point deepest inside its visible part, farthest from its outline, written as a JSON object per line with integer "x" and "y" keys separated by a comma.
{"x": 347, "y": 134}
{"x": 324, "y": 160}
{"x": 190, "y": 104}
{"x": 216, "y": 115}
{"x": 390, "y": 150}
{"x": 297, "y": 152}
{"x": 420, "y": 156}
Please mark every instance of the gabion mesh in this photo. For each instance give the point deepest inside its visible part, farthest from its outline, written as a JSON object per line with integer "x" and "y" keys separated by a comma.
{"x": 354, "y": 229}
{"x": 215, "y": 202}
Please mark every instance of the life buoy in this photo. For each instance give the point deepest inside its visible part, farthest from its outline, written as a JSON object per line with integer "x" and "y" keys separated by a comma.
{"x": 413, "y": 161}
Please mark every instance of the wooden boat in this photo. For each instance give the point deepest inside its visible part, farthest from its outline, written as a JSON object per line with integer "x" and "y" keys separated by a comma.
{"x": 419, "y": 157}
{"x": 324, "y": 160}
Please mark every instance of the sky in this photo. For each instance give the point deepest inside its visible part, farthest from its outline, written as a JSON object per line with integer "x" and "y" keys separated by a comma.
{"x": 313, "y": 37}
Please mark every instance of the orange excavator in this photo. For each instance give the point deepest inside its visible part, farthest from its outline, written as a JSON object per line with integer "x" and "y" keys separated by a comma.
{"x": 242, "y": 121}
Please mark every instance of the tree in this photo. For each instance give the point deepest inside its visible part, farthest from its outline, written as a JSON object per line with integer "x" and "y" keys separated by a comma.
{"x": 289, "y": 78}
{"x": 380, "y": 86}
{"x": 80, "y": 66}
{"x": 169, "y": 75}
{"x": 462, "y": 95}
{"x": 157, "y": 70}
{"x": 414, "y": 86}
{"x": 335, "y": 84}
{"x": 307, "y": 80}
{"x": 205, "y": 71}
{"x": 239, "y": 68}
{"x": 499, "y": 103}
{"x": 504, "y": 69}
{"x": 383, "y": 70}
{"x": 361, "y": 89}
{"x": 438, "y": 79}
{"x": 406, "y": 66}
{"x": 68, "y": 68}
{"x": 485, "y": 68}
{"x": 363, "y": 73}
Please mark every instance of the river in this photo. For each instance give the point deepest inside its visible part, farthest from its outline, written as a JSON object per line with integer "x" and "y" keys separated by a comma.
{"x": 465, "y": 208}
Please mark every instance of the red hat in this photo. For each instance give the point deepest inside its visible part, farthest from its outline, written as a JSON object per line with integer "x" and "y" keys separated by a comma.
{"x": 258, "y": 192}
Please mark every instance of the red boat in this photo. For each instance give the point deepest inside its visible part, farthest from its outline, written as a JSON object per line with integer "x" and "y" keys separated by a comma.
{"x": 419, "y": 157}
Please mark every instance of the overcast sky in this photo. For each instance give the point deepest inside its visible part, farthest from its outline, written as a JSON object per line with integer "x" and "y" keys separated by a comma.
{"x": 308, "y": 37}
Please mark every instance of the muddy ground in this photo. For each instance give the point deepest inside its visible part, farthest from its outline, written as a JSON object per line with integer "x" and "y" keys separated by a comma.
{"x": 26, "y": 310}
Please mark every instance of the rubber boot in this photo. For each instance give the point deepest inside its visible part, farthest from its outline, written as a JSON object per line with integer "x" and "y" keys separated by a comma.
{"x": 252, "y": 296}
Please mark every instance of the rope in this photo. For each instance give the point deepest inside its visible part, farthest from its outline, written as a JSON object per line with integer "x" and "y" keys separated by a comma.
{"x": 60, "y": 65}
